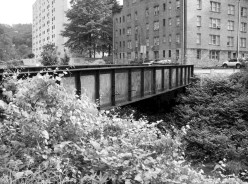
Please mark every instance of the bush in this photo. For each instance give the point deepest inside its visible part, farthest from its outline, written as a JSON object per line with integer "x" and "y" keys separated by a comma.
{"x": 51, "y": 136}
{"x": 49, "y": 56}
{"x": 216, "y": 111}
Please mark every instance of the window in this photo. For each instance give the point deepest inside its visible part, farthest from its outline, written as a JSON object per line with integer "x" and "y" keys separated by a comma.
{"x": 231, "y": 9}
{"x": 178, "y": 21}
{"x": 177, "y": 54}
{"x": 136, "y": 15}
{"x": 215, "y": 6}
{"x": 156, "y": 25}
{"x": 147, "y": 26}
{"x": 198, "y": 53}
{"x": 178, "y": 4}
{"x": 169, "y": 53}
{"x": 124, "y": 44}
{"x": 170, "y": 22}
{"x": 243, "y": 12}
{"x": 169, "y": 38}
{"x": 243, "y": 27}
{"x": 230, "y": 25}
{"x": 120, "y": 31}
{"x": 156, "y": 40}
{"x": 198, "y": 21}
{"x": 243, "y": 42}
{"x": 156, "y": 10}
{"x": 128, "y": 55}
{"x": 164, "y": 22}
{"x": 198, "y": 38}
{"x": 214, "y": 23}
{"x": 199, "y": 4}
{"x": 129, "y": 17}
{"x": 147, "y": 42}
{"x": 230, "y": 41}
{"x": 164, "y": 39}
{"x": 164, "y": 6}
{"x": 214, "y": 40}
{"x": 178, "y": 38}
{"x": 214, "y": 54}
{"x": 129, "y": 31}
{"x": 229, "y": 55}
{"x": 136, "y": 43}
{"x": 147, "y": 12}
{"x": 129, "y": 44}
{"x": 163, "y": 53}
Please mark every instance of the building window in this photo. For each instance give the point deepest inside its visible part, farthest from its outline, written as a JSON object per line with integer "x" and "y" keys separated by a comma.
{"x": 163, "y": 53}
{"x": 128, "y": 55}
{"x": 214, "y": 54}
{"x": 129, "y": 17}
{"x": 215, "y": 6}
{"x": 129, "y": 44}
{"x": 178, "y": 21}
{"x": 231, "y": 9}
{"x": 243, "y": 42}
{"x": 214, "y": 23}
{"x": 199, "y": 4}
{"x": 170, "y": 39}
{"x": 147, "y": 42}
{"x": 156, "y": 10}
{"x": 243, "y": 27}
{"x": 147, "y": 12}
{"x": 214, "y": 40}
{"x": 136, "y": 15}
{"x": 198, "y": 21}
{"x": 170, "y": 22}
{"x": 178, "y": 38}
{"x": 123, "y": 18}
{"x": 156, "y": 40}
{"x": 120, "y": 31}
{"x": 178, "y": 4}
{"x": 156, "y": 25}
{"x": 198, "y": 38}
{"x": 120, "y": 55}
{"x": 147, "y": 26}
{"x": 230, "y": 25}
{"x": 243, "y": 11}
{"x": 169, "y": 53}
{"x": 229, "y": 55}
{"x": 129, "y": 31}
{"x": 136, "y": 43}
{"x": 198, "y": 53}
{"x": 164, "y": 39}
{"x": 230, "y": 41}
{"x": 164, "y": 22}
{"x": 164, "y": 6}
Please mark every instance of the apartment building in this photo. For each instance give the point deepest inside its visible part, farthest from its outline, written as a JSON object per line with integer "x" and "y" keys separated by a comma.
{"x": 199, "y": 32}
{"x": 48, "y": 20}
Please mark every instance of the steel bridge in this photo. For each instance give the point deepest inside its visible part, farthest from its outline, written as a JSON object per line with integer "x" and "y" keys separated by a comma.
{"x": 118, "y": 85}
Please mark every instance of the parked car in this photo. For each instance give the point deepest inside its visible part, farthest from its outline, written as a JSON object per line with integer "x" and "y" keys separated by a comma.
{"x": 237, "y": 63}
{"x": 165, "y": 61}
{"x": 148, "y": 62}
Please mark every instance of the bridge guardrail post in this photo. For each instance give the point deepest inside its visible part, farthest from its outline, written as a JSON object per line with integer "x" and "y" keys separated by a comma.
{"x": 78, "y": 83}
{"x": 177, "y": 77}
{"x": 142, "y": 87}
{"x": 163, "y": 79}
{"x": 154, "y": 85}
{"x": 170, "y": 78}
{"x": 97, "y": 87}
{"x": 129, "y": 84}
{"x": 185, "y": 75}
{"x": 181, "y": 75}
{"x": 189, "y": 74}
{"x": 113, "y": 103}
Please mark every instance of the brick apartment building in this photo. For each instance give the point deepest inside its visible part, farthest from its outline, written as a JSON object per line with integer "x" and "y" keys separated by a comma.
{"x": 48, "y": 22}
{"x": 199, "y": 32}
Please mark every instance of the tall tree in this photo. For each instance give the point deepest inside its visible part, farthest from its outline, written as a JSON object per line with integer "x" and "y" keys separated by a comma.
{"x": 90, "y": 26}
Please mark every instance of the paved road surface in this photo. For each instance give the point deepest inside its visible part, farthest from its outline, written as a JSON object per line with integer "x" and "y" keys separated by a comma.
{"x": 212, "y": 72}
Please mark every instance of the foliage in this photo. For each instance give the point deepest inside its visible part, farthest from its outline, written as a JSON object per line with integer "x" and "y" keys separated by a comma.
{"x": 49, "y": 56}
{"x": 65, "y": 60}
{"x": 216, "y": 109}
{"x": 50, "y": 136}
{"x": 15, "y": 41}
{"x": 90, "y": 29}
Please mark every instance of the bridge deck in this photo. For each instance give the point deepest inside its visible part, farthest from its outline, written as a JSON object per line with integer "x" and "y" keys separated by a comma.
{"x": 123, "y": 84}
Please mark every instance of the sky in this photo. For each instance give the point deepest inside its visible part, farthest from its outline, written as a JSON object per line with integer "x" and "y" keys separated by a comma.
{"x": 17, "y": 11}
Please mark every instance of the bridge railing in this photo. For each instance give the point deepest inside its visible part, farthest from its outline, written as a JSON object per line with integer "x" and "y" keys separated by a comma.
{"x": 123, "y": 84}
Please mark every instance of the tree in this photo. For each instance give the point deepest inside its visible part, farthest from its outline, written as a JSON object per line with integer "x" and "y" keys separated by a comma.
{"x": 48, "y": 55}
{"x": 90, "y": 27}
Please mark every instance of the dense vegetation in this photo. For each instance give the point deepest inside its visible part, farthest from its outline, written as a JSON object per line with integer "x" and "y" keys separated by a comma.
{"x": 49, "y": 135}
{"x": 15, "y": 41}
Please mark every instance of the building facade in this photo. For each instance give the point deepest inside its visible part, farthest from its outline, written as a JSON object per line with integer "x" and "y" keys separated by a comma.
{"x": 199, "y": 32}
{"x": 48, "y": 20}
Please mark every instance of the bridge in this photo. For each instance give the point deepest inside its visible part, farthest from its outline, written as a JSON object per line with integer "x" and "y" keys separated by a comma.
{"x": 118, "y": 85}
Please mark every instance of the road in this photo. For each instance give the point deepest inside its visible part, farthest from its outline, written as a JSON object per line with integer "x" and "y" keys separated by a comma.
{"x": 213, "y": 72}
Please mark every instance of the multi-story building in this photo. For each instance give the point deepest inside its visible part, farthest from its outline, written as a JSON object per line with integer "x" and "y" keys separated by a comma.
{"x": 48, "y": 20}
{"x": 199, "y": 32}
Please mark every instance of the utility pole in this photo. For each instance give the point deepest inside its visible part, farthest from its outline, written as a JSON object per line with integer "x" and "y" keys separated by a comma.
{"x": 238, "y": 31}
{"x": 183, "y": 35}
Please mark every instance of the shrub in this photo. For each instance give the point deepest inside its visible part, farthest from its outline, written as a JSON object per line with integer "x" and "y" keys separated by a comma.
{"x": 216, "y": 110}
{"x": 51, "y": 136}
{"x": 49, "y": 56}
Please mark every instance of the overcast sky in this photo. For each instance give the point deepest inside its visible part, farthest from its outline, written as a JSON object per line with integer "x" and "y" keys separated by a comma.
{"x": 17, "y": 11}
